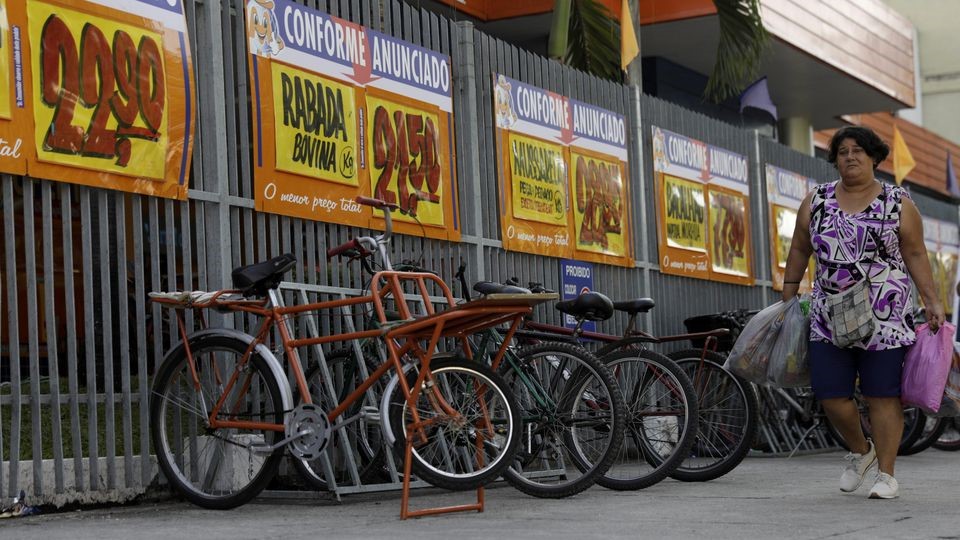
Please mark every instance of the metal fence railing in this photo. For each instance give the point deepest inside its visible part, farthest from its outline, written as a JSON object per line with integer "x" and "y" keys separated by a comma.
{"x": 80, "y": 342}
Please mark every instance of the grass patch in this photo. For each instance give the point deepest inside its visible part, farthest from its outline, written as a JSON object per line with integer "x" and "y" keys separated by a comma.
{"x": 46, "y": 413}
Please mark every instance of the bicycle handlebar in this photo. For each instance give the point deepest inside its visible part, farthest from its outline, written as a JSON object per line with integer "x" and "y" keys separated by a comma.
{"x": 376, "y": 203}
{"x": 347, "y": 246}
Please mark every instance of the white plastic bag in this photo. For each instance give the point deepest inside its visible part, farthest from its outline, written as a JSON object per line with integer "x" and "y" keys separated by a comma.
{"x": 788, "y": 360}
{"x": 750, "y": 356}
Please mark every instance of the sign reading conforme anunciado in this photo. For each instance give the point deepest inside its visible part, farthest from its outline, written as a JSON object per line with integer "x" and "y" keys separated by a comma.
{"x": 562, "y": 165}
{"x": 340, "y": 110}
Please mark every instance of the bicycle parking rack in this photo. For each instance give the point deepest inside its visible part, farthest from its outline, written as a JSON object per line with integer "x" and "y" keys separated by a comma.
{"x": 788, "y": 426}
{"x": 456, "y": 322}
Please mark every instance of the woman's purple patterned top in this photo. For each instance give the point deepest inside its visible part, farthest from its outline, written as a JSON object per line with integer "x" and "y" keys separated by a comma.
{"x": 843, "y": 245}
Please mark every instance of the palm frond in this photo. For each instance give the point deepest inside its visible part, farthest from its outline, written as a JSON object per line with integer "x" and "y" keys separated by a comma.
{"x": 742, "y": 43}
{"x": 594, "y": 40}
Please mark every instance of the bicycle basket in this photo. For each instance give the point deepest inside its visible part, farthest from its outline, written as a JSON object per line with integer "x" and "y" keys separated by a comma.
{"x": 705, "y": 323}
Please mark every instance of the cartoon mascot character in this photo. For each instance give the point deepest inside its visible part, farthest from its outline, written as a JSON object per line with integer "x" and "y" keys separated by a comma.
{"x": 262, "y": 28}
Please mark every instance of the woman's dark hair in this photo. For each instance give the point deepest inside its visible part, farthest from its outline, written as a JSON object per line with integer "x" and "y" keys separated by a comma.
{"x": 871, "y": 143}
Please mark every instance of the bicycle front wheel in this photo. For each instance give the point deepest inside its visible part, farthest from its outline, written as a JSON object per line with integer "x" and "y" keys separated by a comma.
{"x": 728, "y": 417}
{"x": 949, "y": 440}
{"x": 216, "y": 468}
{"x": 468, "y": 425}
{"x": 572, "y": 419}
{"x": 661, "y": 418}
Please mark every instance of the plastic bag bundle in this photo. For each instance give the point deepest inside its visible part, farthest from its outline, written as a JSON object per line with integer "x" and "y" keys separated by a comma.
{"x": 926, "y": 368}
{"x": 950, "y": 404}
{"x": 750, "y": 356}
{"x": 788, "y": 359}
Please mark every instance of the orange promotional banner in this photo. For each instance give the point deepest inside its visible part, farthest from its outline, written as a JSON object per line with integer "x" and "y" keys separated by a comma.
{"x": 703, "y": 209}
{"x": 785, "y": 191}
{"x": 102, "y": 93}
{"x": 342, "y": 111}
{"x": 562, "y": 166}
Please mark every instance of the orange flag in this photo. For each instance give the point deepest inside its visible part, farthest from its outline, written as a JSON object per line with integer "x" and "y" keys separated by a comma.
{"x": 903, "y": 162}
{"x": 628, "y": 37}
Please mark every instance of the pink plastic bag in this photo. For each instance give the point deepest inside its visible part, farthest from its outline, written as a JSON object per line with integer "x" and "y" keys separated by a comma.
{"x": 926, "y": 367}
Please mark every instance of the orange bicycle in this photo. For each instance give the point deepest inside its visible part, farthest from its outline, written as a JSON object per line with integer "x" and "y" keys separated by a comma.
{"x": 222, "y": 409}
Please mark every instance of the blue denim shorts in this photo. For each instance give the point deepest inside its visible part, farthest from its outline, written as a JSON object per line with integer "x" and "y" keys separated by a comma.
{"x": 834, "y": 371}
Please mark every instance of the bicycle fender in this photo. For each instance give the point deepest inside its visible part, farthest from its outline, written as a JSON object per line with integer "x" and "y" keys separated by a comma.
{"x": 276, "y": 368}
{"x": 385, "y": 405}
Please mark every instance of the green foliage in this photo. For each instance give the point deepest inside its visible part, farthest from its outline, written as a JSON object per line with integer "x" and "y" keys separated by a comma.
{"x": 594, "y": 40}
{"x": 742, "y": 43}
{"x": 590, "y": 37}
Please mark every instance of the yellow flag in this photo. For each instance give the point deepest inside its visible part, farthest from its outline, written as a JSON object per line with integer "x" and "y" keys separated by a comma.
{"x": 903, "y": 162}
{"x": 628, "y": 37}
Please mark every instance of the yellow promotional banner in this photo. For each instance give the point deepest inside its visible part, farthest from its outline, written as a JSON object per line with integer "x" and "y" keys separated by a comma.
{"x": 116, "y": 135}
{"x": 6, "y": 56}
{"x": 406, "y": 165}
{"x": 538, "y": 180}
{"x": 600, "y": 204}
{"x": 15, "y": 115}
{"x": 685, "y": 213}
{"x": 342, "y": 111}
{"x": 703, "y": 219}
{"x": 534, "y": 198}
{"x": 110, "y": 87}
{"x": 785, "y": 221}
{"x": 556, "y": 154}
{"x": 728, "y": 233}
{"x": 317, "y": 132}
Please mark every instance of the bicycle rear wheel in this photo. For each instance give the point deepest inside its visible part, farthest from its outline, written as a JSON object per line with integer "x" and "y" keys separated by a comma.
{"x": 661, "y": 418}
{"x": 932, "y": 429}
{"x": 215, "y": 468}
{"x": 573, "y": 419}
{"x": 728, "y": 417}
{"x": 472, "y": 446}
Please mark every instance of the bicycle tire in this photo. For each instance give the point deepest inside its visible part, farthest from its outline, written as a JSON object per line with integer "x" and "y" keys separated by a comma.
{"x": 949, "y": 440}
{"x": 573, "y": 419}
{"x": 729, "y": 417}
{"x": 365, "y": 438}
{"x": 496, "y": 407}
{"x": 661, "y": 421}
{"x": 933, "y": 428}
{"x": 912, "y": 428}
{"x": 187, "y": 450}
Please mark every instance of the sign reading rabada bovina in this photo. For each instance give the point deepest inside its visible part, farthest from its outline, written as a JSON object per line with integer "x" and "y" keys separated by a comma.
{"x": 97, "y": 92}
{"x": 703, "y": 219}
{"x": 341, "y": 111}
{"x": 562, "y": 164}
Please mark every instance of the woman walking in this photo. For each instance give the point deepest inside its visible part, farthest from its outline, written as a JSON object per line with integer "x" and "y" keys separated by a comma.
{"x": 868, "y": 241}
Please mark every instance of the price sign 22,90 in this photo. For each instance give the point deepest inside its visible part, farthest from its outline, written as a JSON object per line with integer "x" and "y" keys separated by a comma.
{"x": 100, "y": 99}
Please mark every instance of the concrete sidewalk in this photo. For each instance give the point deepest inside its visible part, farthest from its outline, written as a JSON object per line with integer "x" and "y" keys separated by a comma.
{"x": 762, "y": 498}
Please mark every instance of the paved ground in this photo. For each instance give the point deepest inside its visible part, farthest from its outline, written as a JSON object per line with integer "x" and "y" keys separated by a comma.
{"x": 763, "y": 498}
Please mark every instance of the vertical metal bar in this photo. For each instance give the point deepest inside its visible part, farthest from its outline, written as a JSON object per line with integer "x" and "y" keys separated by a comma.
{"x": 50, "y": 300}
{"x": 13, "y": 327}
{"x": 143, "y": 396}
{"x": 123, "y": 323}
{"x": 33, "y": 345}
{"x": 90, "y": 338}
{"x": 106, "y": 311}
{"x": 70, "y": 308}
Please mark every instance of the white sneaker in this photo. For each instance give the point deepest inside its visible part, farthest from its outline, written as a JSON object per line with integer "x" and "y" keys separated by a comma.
{"x": 856, "y": 468}
{"x": 886, "y": 487}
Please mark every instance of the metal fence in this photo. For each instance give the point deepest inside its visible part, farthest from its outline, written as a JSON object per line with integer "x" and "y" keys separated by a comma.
{"x": 80, "y": 342}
